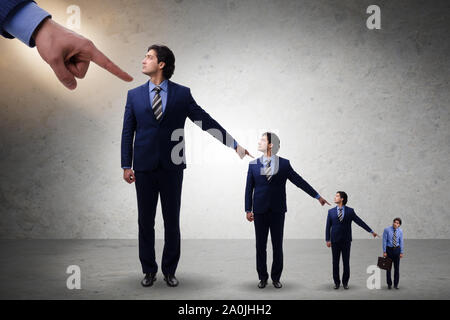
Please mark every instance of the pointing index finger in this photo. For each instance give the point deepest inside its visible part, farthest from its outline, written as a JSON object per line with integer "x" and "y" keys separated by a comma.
{"x": 248, "y": 153}
{"x": 103, "y": 61}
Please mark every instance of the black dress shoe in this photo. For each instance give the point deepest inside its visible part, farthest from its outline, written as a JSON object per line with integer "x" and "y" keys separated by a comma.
{"x": 396, "y": 287}
{"x": 389, "y": 287}
{"x": 277, "y": 284}
{"x": 262, "y": 284}
{"x": 171, "y": 280}
{"x": 336, "y": 286}
{"x": 346, "y": 286}
{"x": 148, "y": 279}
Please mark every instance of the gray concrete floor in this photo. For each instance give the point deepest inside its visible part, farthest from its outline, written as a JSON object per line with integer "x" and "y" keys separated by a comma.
{"x": 213, "y": 269}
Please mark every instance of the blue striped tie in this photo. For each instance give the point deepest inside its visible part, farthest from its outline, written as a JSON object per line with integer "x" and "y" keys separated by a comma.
{"x": 340, "y": 214}
{"x": 157, "y": 103}
{"x": 394, "y": 238}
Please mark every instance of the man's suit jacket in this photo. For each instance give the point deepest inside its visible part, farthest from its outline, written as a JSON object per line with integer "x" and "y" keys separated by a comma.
{"x": 153, "y": 142}
{"x": 8, "y": 7}
{"x": 262, "y": 195}
{"x": 337, "y": 231}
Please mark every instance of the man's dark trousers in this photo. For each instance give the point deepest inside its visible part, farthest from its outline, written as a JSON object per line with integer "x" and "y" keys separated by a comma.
{"x": 394, "y": 254}
{"x": 168, "y": 184}
{"x": 273, "y": 221}
{"x": 338, "y": 248}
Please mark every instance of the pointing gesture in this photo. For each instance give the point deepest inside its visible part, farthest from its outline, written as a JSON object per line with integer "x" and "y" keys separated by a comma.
{"x": 242, "y": 152}
{"x": 323, "y": 201}
{"x": 69, "y": 53}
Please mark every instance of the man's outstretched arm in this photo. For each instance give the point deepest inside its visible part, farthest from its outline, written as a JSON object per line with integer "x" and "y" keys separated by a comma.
{"x": 201, "y": 118}
{"x": 363, "y": 225}
{"x": 296, "y": 179}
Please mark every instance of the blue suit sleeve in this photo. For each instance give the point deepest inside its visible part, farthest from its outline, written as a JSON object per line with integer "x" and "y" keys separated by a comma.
{"x": 7, "y": 9}
{"x": 328, "y": 228}
{"x": 197, "y": 114}
{"x": 361, "y": 223}
{"x": 22, "y": 21}
{"x": 128, "y": 131}
{"x": 296, "y": 179}
{"x": 249, "y": 187}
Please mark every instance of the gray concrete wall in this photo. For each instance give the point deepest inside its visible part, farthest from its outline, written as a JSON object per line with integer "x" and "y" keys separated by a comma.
{"x": 365, "y": 111}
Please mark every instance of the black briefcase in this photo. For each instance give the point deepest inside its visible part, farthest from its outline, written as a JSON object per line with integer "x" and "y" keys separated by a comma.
{"x": 384, "y": 263}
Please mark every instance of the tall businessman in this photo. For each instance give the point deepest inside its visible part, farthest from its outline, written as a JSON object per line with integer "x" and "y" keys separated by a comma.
{"x": 265, "y": 204}
{"x": 338, "y": 235}
{"x": 155, "y": 114}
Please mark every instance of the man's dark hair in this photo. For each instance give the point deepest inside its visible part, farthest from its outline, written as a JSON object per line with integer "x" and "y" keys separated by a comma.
{"x": 399, "y": 220}
{"x": 344, "y": 197}
{"x": 273, "y": 139}
{"x": 164, "y": 54}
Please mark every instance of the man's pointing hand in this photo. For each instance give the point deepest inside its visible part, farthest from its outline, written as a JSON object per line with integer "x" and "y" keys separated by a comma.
{"x": 69, "y": 53}
{"x": 242, "y": 152}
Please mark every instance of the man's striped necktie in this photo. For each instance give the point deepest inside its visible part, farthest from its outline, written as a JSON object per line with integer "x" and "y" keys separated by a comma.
{"x": 268, "y": 171}
{"x": 157, "y": 103}
{"x": 340, "y": 214}
{"x": 394, "y": 238}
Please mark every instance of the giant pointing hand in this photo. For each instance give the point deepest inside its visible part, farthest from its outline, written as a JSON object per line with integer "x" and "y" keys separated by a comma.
{"x": 242, "y": 152}
{"x": 69, "y": 53}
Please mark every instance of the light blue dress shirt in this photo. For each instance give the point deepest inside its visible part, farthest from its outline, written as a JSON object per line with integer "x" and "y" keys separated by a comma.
{"x": 23, "y": 23}
{"x": 388, "y": 234}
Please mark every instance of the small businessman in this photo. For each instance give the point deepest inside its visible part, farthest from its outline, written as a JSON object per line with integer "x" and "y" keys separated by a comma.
{"x": 265, "y": 204}
{"x": 338, "y": 236}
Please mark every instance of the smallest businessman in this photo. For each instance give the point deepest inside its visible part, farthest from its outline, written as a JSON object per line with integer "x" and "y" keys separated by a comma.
{"x": 393, "y": 249}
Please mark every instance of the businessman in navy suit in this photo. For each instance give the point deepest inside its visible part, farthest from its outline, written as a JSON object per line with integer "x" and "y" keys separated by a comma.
{"x": 153, "y": 143}
{"x": 338, "y": 235}
{"x": 265, "y": 204}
